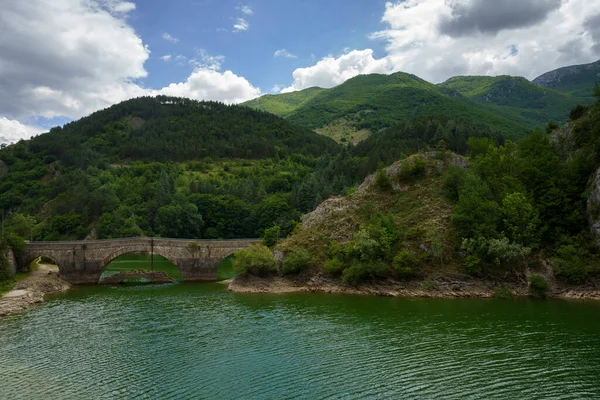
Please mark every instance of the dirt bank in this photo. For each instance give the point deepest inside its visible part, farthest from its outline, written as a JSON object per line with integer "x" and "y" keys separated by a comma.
{"x": 447, "y": 287}
{"x": 30, "y": 291}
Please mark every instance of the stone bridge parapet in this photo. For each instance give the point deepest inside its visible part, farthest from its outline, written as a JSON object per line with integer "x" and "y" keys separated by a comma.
{"x": 82, "y": 262}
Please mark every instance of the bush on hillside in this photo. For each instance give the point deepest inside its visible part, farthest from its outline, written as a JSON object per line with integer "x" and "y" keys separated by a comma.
{"x": 271, "y": 236}
{"x": 570, "y": 265}
{"x": 405, "y": 263}
{"x": 412, "y": 171}
{"x": 360, "y": 272}
{"x": 538, "y": 286}
{"x": 255, "y": 260}
{"x": 296, "y": 262}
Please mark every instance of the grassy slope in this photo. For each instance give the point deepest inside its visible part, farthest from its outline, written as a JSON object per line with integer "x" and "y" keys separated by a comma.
{"x": 420, "y": 210}
{"x": 283, "y": 104}
{"x": 375, "y": 102}
{"x": 516, "y": 98}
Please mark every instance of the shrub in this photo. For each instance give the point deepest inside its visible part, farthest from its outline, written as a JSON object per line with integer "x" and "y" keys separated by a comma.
{"x": 453, "y": 182}
{"x": 405, "y": 263}
{"x": 381, "y": 179}
{"x": 569, "y": 264}
{"x": 334, "y": 265}
{"x": 413, "y": 171}
{"x": 271, "y": 236}
{"x": 255, "y": 260}
{"x": 296, "y": 262}
{"x": 538, "y": 286}
{"x": 577, "y": 112}
{"x": 502, "y": 292}
{"x": 360, "y": 272}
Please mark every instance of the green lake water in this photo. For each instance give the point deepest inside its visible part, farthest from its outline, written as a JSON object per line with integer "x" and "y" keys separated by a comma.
{"x": 190, "y": 341}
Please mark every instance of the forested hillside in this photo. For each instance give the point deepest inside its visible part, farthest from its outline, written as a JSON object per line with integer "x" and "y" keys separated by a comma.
{"x": 517, "y": 99}
{"x": 159, "y": 166}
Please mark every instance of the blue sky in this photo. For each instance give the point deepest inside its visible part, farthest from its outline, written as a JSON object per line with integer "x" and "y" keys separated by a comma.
{"x": 309, "y": 30}
{"x": 63, "y": 59}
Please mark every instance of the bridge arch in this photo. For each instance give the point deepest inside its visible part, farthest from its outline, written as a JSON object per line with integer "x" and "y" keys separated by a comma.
{"x": 82, "y": 262}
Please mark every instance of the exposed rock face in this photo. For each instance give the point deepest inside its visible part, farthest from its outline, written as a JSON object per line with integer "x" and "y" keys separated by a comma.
{"x": 554, "y": 78}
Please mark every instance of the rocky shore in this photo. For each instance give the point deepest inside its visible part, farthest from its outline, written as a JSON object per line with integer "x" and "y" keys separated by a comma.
{"x": 447, "y": 287}
{"x": 31, "y": 291}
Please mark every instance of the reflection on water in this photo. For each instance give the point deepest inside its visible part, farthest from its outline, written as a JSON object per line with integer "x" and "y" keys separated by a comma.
{"x": 200, "y": 341}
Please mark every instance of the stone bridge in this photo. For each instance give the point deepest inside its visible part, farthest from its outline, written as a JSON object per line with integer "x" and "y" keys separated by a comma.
{"x": 82, "y": 262}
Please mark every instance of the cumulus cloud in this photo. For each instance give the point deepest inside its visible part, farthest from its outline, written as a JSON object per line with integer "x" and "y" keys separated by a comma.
{"x": 240, "y": 25}
{"x": 209, "y": 84}
{"x": 169, "y": 38}
{"x": 67, "y": 58}
{"x": 284, "y": 53}
{"x": 166, "y": 57}
{"x": 331, "y": 71}
{"x": 417, "y": 40}
{"x": 492, "y": 16}
{"x": 592, "y": 25}
{"x": 12, "y": 131}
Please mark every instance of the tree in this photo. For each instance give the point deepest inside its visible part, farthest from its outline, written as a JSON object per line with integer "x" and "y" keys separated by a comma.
{"x": 180, "y": 220}
{"x": 521, "y": 220}
{"x": 597, "y": 90}
{"x": 255, "y": 260}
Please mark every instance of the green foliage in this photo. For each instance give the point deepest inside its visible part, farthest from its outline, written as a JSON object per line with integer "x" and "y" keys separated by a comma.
{"x": 521, "y": 220}
{"x": 405, "y": 263}
{"x": 295, "y": 262}
{"x": 453, "y": 182}
{"x": 364, "y": 271}
{"x": 428, "y": 284}
{"x": 179, "y": 220}
{"x": 596, "y": 91}
{"x": 538, "y": 286}
{"x": 255, "y": 260}
{"x": 476, "y": 214}
{"x": 502, "y": 292}
{"x": 382, "y": 181}
{"x": 271, "y": 236}
{"x": 571, "y": 264}
{"x": 516, "y": 98}
{"x": 334, "y": 265}
{"x": 551, "y": 127}
{"x": 492, "y": 251}
{"x": 577, "y": 112}
{"x": 414, "y": 170}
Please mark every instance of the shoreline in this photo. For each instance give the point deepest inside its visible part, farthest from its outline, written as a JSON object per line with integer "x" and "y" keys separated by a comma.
{"x": 31, "y": 290}
{"x": 444, "y": 288}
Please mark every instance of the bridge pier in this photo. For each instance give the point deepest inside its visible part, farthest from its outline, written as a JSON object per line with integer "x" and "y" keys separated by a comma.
{"x": 82, "y": 262}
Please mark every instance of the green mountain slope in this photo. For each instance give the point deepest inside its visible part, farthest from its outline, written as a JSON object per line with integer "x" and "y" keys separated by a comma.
{"x": 577, "y": 79}
{"x": 376, "y": 102}
{"x": 284, "y": 104}
{"x": 516, "y": 98}
{"x": 159, "y": 166}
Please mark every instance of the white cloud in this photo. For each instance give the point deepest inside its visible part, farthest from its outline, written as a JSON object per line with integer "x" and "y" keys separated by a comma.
{"x": 284, "y": 53}
{"x": 545, "y": 39}
{"x": 554, "y": 34}
{"x": 166, "y": 57}
{"x": 246, "y": 10}
{"x": 240, "y": 25}
{"x": 67, "y": 57}
{"x": 168, "y": 37}
{"x": 207, "y": 61}
{"x": 277, "y": 89}
{"x": 12, "y": 131}
{"x": 209, "y": 84}
{"x": 331, "y": 71}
